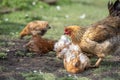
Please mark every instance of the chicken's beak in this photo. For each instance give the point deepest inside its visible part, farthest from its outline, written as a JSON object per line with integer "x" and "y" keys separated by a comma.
{"x": 49, "y": 27}
{"x": 66, "y": 33}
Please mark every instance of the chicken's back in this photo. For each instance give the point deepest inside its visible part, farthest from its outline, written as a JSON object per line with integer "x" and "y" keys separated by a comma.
{"x": 101, "y": 49}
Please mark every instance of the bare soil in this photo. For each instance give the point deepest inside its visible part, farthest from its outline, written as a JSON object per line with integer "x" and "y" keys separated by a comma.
{"x": 14, "y": 64}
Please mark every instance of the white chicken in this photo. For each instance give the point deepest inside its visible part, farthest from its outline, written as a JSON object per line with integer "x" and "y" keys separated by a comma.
{"x": 73, "y": 58}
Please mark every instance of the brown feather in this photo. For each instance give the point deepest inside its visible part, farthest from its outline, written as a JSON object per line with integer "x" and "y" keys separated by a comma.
{"x": 35, "y": 27}
{"x": 99, "y": 34}
{"x": 40, "y": 45}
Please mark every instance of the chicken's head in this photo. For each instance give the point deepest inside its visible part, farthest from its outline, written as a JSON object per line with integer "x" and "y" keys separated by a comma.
{"x": 71, "y": 30}
{"x": 74, "y": 32}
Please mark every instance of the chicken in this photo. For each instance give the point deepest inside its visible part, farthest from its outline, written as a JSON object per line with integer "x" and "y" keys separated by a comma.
{"x": 97, "y": 33}
{"x": 75, "y": 33}
{"x": 40, "y": 45}
{"x": 108, "y": 46}
{"x": 73, "y": 58}
{"x": 62, "y": 42}
{"x": 35, "y": 27}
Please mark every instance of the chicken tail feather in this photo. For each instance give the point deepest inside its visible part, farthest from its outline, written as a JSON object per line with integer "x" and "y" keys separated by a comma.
{"x": 114, "y": 8}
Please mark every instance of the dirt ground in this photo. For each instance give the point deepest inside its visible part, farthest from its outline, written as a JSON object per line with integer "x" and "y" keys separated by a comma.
{"x": 14, "y": 64}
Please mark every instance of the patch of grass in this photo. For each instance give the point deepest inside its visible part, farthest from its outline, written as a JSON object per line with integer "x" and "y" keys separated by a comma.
{"x": 2, "y": 43}
{"x": 108, "y": 78}
{"x": 23, "y": 54}
{"x": 66, "y": 78}
{"x": 11, "y": 43}
{"x": 100, "y": 70}
{"x": 49, "y": 76}
{"x": 83, "y": 78}
{"x": 33, "y": 76}
{"x": 13, "y": 23}
{"x": 46, "y": 76}
{"x": 3, "y": 55}
{"x": 11, "y": 78}
{"x": 39, "y": 76}
{"x": 2, "y": 68}
{"x": 20, "y": 54}
{"x": 30, "y": 54}
{"x": 22, "y": 4}
{"x": 109, "y": 56}
{"x": 64, "y": 2}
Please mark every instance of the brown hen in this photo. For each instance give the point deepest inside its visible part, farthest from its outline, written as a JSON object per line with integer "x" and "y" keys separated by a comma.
{"x": 40, "y": 45}
{"x": 101, "y": 37}
{"x": 35, "y": 27}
